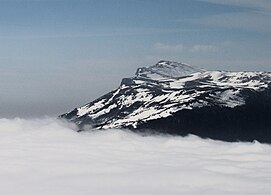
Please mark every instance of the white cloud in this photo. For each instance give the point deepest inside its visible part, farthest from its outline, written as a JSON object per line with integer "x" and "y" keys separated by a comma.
{"x": 107, "y": 33}
{"x": 168, "y": 48}
{"x": 178, "y": 48}
{"x": 255, "y": 21}
{"x": 254, "y": 4}
{"x": 45, "y": 156}
{"x": 203, "y": 48}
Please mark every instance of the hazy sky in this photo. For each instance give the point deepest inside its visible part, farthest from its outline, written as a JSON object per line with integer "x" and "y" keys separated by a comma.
{"x": 59, "y": 54}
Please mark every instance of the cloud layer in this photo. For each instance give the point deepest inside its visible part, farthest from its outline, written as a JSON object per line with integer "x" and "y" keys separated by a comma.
{"x": 256, "y": 18}
{"x": 178, "y": 48}
{"x": 46, "y": 156}
{"x": 259, "y": 4}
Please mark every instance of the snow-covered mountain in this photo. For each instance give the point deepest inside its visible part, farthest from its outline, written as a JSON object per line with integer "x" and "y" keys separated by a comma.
{"x": 176, "y": 98}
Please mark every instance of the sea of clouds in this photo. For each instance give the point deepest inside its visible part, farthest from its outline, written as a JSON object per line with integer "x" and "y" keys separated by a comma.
{"x": 47, "y": 156}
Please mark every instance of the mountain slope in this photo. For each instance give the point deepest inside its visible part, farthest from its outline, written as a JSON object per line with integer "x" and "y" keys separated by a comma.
{"x": 176, "y": 98}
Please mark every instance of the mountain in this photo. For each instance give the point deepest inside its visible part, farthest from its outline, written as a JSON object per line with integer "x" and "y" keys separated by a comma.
{"x": 179, "y": 99}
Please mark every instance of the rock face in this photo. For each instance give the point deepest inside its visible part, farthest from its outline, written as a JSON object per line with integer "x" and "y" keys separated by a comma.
{"x": 178, "y": 99}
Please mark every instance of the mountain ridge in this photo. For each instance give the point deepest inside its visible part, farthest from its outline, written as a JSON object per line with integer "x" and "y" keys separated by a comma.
{"x": 162, "y": 91}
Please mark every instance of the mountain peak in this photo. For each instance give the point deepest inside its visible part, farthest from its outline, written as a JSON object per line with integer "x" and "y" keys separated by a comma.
{"x": 166, "y": 69}
{"x": 178, "y": 99}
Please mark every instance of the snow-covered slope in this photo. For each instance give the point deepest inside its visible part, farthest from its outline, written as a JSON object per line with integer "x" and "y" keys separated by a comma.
{"x": 165, "y": 88}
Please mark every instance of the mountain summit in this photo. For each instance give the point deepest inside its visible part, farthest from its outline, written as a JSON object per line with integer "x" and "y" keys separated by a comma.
{"x": 179, "y": 99}
{"x": 166, "y": 69}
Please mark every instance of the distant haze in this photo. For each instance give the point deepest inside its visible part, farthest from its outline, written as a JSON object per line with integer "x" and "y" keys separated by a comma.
{"x": 56, "y": 55}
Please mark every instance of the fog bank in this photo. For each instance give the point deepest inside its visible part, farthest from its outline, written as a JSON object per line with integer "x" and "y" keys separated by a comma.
{"x": 46, "y": 156}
